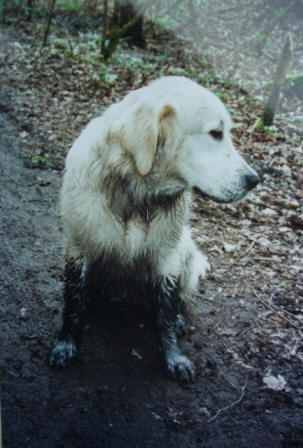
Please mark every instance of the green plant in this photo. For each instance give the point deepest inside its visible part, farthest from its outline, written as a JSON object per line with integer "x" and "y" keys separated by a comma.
{"x": 104, "y": 76}
{"x": 26, "y": 9}
{"x": 70, "y": 6}
{"x": 259, "y": 127}
{"x": 293, "y": 84}
{"x": 270, "y": 132}
{"x": 166, "y": 22}
{"x": 39, "y": 159}
{"x": 223, "y": 96}
{"x": 214, "y": 78}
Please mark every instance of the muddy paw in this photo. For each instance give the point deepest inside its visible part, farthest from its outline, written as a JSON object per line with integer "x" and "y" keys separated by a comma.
{"x": 62, "y": 353}
{"x": 180, "y": 368}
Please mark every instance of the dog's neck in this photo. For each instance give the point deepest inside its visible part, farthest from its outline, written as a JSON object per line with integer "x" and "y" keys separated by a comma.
{"x": 152, "y": 205}
{"x": 130, "y": 198}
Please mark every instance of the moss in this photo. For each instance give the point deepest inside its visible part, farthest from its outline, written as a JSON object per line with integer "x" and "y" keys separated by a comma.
{"x": 293, "y": 85}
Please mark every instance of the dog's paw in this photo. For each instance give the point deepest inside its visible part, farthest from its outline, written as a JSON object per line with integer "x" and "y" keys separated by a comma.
{"x": 180, "y": 367}
{"x": 62, "y": 353}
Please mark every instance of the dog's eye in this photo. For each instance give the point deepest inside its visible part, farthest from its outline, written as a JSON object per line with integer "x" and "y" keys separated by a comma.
{"x": 217, "y": 134}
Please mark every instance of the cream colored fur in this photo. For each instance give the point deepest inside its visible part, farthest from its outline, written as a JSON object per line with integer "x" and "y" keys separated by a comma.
{"x": 155, "y": 143}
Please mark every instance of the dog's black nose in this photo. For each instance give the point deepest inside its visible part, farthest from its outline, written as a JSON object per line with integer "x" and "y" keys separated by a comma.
{"x": 251, "y": 181}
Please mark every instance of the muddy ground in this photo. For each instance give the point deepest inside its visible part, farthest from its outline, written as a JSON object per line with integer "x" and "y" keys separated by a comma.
{"x": 246, "y": 340}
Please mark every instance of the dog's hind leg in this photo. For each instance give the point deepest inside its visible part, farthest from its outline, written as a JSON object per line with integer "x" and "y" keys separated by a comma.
{"x": 75, "y": 298}
{"x": 177, "y": 364}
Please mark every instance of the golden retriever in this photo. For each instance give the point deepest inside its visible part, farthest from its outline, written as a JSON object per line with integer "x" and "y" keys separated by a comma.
{"x": 126, "y": 199}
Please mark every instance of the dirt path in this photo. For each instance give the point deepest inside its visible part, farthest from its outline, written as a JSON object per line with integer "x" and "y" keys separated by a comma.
{"x": 116, "y": 395}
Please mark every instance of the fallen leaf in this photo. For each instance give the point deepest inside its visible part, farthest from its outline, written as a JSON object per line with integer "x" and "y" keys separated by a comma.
{"x": 274, "y": 382}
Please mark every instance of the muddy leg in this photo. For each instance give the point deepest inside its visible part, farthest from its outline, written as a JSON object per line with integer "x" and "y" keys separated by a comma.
{"x": 75, "y": 298}
{"x": 177, "y": 364}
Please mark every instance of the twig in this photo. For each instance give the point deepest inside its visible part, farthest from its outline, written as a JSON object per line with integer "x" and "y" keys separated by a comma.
{"x": 252, "y": 128}
{"x": 248, "y": 249}
{"x": 276, "y": 308}
{"x": 279, "y": 312}
{"x": 235, "y": 8}
{"x": 230, "y": 405}
{"x": 71, "y": 49}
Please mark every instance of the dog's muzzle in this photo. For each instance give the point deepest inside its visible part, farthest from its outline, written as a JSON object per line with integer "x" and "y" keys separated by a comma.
{"x": 246, "y": 183}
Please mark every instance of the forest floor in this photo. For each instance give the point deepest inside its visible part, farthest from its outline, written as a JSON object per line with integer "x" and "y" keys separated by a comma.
{"x": 247, "y": 333}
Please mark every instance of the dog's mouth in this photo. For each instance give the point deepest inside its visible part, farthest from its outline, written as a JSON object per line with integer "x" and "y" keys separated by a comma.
{"x": 201, "y": 193}
{"x": 204, "y": 195}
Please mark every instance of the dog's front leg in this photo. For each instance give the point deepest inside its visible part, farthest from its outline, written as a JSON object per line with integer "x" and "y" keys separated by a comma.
{"x": 75, "y": 297}
{"x": 177, "y": 364}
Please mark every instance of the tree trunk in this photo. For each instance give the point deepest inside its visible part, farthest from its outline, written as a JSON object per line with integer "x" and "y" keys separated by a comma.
{"x": 273, "y": 100}
{"x": 30, "y": 6}
{"x": 49, "y": 19}
{"x": 115, "y": 29}
{"x": 133, "y": 33}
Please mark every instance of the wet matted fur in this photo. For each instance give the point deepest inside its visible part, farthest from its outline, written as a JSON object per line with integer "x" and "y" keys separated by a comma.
{"x": 125, "y": 205}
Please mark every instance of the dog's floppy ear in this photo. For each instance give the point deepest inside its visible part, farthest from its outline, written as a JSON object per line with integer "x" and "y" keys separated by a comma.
{"x": 145, "y": 131}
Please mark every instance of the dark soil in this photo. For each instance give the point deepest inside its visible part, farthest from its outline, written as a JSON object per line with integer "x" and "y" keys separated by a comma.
{"x": 116, "y": 394}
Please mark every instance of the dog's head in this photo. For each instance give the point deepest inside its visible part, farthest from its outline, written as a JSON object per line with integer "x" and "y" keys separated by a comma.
{"x": 187, "y": 129}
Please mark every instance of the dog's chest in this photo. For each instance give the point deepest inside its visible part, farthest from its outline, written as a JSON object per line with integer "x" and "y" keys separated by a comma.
{"x": 137, "y": 235}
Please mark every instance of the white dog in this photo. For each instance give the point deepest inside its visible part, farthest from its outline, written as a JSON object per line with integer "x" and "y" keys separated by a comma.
{"x": 125, "y": 205}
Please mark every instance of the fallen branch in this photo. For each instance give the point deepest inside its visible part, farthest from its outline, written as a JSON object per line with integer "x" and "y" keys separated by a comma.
{"x": 230, "y": 405}
{"x": 281, "y": 313}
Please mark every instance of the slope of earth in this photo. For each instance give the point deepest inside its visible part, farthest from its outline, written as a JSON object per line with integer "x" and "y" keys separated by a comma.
{"x": 246, "y": 338}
